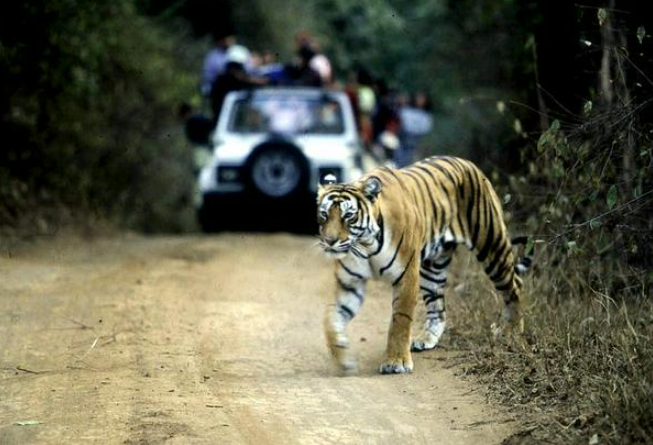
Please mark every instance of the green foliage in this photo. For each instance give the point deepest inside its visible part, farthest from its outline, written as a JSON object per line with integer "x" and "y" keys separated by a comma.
{"x": 602, "y": 15}
{"x": 612, "y": 196}
{"x": 588, "y": 195}
{"x": 641, "y": 33}
{"x": 592, "y": 193}
{"x": 90, "y": 93}
{"x": 365, "y": 33}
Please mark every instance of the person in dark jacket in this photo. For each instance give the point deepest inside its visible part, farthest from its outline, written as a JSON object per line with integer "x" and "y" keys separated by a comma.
{"x": 234, "y": 78}
{"x": 300, "y": 73}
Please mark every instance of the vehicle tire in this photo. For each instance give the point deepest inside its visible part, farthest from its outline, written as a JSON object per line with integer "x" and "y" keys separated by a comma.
{"x": 277, "y": 171}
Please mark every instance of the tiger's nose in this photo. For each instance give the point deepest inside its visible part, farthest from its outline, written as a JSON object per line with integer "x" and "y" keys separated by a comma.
{"x": 330, "y": 241}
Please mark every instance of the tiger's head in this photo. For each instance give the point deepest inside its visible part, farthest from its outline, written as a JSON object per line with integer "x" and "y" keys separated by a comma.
{"x": 346, "y": 215}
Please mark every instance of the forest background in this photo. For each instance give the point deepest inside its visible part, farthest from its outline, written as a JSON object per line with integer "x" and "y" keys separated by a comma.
{"x": 553, "y": 98}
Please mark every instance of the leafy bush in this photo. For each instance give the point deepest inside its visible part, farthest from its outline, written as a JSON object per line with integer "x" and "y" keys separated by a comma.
{"x": 89, "y": 96}
{"x": 583, "y": 372}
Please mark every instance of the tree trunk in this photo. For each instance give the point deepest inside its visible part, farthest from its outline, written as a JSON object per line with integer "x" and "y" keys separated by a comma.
{"x": 607, "y": 45}
{"x": 544, "y": 111}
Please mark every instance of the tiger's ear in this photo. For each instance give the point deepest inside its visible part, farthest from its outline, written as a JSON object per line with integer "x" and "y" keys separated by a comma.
{"x": 372, "y": 188}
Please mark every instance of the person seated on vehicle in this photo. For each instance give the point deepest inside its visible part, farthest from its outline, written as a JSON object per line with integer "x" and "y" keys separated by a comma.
{"x": 271, "y": 69}
{"x": 215, "y": 61}
{"x": 234, "y": 78}
{"x": 318, "y": 61}
{"x": 299, "y": 73}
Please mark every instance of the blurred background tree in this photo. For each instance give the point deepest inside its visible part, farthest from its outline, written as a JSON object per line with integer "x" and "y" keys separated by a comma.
{"x": 87, "y": 113}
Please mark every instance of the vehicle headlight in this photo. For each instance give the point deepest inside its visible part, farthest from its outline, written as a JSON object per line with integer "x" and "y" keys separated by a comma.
{"x": 335, "y": 171}
{"x": 229, "y": 174}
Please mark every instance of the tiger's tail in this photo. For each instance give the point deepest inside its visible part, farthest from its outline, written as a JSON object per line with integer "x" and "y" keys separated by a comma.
{"x": 525, "y": 262}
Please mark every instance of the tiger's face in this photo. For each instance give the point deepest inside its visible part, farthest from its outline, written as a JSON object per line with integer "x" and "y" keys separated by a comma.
{"x": 345, "y": 215}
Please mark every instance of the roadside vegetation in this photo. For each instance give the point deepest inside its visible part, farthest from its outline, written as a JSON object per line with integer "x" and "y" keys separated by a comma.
{"x": 88, "y": 103}
{"x": 584, "y": 372}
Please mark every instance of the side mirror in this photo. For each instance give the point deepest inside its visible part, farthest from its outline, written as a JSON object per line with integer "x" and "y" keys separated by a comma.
{"x": 198, "y": 129}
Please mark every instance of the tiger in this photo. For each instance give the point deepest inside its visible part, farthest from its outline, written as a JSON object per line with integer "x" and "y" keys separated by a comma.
{"x": 403, "y": 226}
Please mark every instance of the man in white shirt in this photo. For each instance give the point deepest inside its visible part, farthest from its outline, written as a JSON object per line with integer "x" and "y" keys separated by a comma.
{"x": 215, "y": 61}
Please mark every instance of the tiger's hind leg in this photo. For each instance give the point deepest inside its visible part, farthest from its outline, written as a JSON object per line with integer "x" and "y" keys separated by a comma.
{"x": 512, "y": 316}
{"x": 433, "y": 279}
{"x": 500, "y": 267}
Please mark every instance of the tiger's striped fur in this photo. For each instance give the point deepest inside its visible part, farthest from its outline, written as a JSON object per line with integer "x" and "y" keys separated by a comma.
{"x": 403, "y": 226}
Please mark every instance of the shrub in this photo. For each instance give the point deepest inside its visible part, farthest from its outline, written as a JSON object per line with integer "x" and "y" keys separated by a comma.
{"x": 89, "y": 95}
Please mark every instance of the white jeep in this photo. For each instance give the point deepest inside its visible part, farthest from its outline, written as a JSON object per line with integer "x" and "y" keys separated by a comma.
{"x": 274, "y": 145}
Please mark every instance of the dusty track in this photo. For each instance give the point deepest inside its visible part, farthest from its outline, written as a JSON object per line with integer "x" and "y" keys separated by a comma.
{"x": 213, "y": 340}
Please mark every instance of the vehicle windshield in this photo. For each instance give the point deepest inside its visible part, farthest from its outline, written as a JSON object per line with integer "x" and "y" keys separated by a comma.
{"x": 288, "y": 114}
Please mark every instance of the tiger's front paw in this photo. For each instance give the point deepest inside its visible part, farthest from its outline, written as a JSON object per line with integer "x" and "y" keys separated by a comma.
{"x": 512, "y": 320}
{"x": 339, "y": 347}
{"x": 397, "y": 365}
{"x": 344, "y": 359}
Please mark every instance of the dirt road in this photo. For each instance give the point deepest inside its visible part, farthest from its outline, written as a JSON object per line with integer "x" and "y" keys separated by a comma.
{"x": 214, "y": 340}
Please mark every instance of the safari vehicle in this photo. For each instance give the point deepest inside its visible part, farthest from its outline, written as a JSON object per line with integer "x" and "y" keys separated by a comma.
{"x": 272, "y": 145}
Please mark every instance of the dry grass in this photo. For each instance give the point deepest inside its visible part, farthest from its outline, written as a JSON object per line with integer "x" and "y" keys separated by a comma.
{"x": 584, "y": 371}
